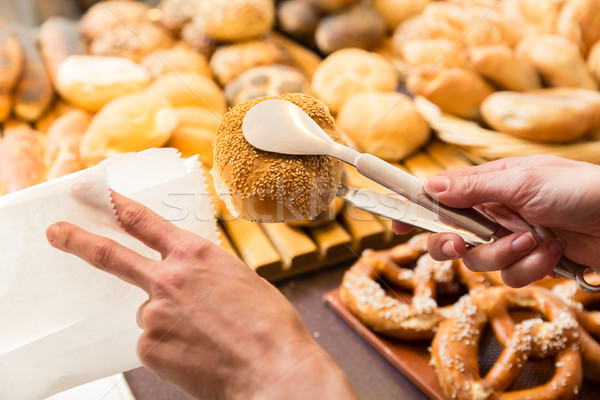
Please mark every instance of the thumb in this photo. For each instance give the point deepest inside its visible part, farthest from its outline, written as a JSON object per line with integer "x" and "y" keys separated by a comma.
{"x": 469, "y": 190}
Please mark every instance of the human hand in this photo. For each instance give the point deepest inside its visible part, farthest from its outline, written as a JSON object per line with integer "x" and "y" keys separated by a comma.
{"x": 526, "y": 195}
{"x": 212, "y": 327}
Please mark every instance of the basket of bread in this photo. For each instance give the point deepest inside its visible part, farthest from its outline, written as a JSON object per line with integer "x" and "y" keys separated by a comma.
{"x": 507, "y": 78}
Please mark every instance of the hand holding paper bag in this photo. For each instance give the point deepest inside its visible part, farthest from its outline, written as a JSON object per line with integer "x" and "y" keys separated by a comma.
{"x": 64, "y": 323}
{"x": 212, "y": 327}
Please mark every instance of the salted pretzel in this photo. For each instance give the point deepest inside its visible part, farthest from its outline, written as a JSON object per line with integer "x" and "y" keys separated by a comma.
{"x": 589, "y": 321}
{"x": 455, "y": 346}
{"x": 363, "y": 294}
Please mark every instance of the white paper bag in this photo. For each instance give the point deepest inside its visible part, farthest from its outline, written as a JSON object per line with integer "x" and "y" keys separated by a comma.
{"x": 64, "y": 323}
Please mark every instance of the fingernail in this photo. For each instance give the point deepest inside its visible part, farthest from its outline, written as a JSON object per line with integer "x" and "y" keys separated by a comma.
{"x": 51, "y": 233}
{"x": 437, "y": 184}
{"x": 448, "y": 250}
{"x": 524, "y": 242}
{"x": 555, "y": 248}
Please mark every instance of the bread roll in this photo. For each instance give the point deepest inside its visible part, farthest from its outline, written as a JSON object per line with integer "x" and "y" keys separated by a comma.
{"x": 189, "y": 89}
{"x": 360, "y": 27}
{"x": 532, "y": 16}
{"x": 107, "y": 15}
{"x": 301, "y": 57}
{"x": 579, "y": 21}
{"x": 591, "y": 97}
{"x": 11, "y": 59}
{"x": 196, "y": 129}
{"x": 270, "y": 187}
{"x": 444, "y": 52}
{"x": 193, "y": 35}
{"x": 229, "y": 61}
{"x": 384, "y": 124}
{"x": 298, "y": 18}
{"x": 34, "y": 91}
{"x": 499, "y": 65}
{"x": 133, "y": 41}
{"x": 536, "y": 116}
{"x": 21, "y": 164}
{"x": 593, "y": 62}
{"x": 350, "y": 71}
{"x": 270, "y": 80}
{"x": 59, "y": 39}
{"x": 180, "y": 58}
{"x": 58, "y": 109}
{"x": 458, "y": 91}
{"x": 558, "y": 60}
{"x": 328, "y": 6}
{"x": 396, "y": 11}
{"x": 235, "y": 19}
{"x": 90, "y": 82}
{"x": 61, "y": 155}
{"x": 132, "y": 122}
{"x": 175, "y": 14}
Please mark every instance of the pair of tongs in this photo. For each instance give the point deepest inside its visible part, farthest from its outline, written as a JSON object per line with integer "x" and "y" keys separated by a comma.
{"x": 280, "y": 126}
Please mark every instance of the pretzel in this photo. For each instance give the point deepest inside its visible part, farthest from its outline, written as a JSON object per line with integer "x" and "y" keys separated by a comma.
{"x": 455, "y": 346}
{"x": 589, "y": 321}
{"x": 365, "y": 297}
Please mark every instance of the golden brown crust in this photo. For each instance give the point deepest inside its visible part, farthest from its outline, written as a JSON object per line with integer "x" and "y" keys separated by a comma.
{"x": 366, "y": 299}
{"x": 271, "y": 187}
{"x": 195, "y": 132}
{"x": 230, "y": 61}
{"x": 384, "y": 124}
{"x": 179, "y": 58}
{"x": 458, "y": 91}
{"x": 34, "y": 92}
{"x": 11, "y": 60}
{"x": 133, "y": 41}
{"x": 558, "y": 60}
{"x": 21, "y": 163}
{"x": 90, "y": 82}
{"x": 61, "y": 155}
{"x": 107, "y": 15}
{"x": 499, "y": 65}
{"x": 59, "y": 39}
{"x": 456, "y": 344}
{"x": 350, "y": 71}
{"x": 132, "y": 122}
{"x": 189, "y": 89}
{"x": 235, "y": 19}
{"x": 538, "y": 116}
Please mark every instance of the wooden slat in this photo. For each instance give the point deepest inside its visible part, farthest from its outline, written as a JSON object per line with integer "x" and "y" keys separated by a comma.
{"x": 253, "y": 246}
{"x": 445, "y": 155}
{"x": 295, "y": 248}
{"x": 365, "y": 229}
{"x": 225, "y": 242}
{"x": 422, "y": 166}
{"x": 333, "y": 241}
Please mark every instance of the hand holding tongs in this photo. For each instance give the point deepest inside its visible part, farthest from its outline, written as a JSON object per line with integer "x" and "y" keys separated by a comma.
{"x": 290, "y": 130}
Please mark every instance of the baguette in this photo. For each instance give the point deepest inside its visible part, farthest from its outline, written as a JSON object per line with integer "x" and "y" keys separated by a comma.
{"x": 61, "y": 156}
{"x": 11, "y": 60}
{"x": 59, "y": 38}
{"x": 11, "y": 67}
{"x": 21, "y": 162}
{"x": 34, "y": 92}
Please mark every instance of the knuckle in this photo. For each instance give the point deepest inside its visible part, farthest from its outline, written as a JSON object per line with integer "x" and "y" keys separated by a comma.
{"x": 146, "y": 349}
{"x": 192, "y": 247}
{"x": 133, "y": 216}
{"x": 66, "y": 238}
{"x": 101, "y": 254}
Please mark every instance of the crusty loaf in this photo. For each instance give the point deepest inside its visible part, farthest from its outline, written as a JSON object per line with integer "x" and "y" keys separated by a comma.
{"x": 538, "y": 116}
{"x": 21, "y": 163}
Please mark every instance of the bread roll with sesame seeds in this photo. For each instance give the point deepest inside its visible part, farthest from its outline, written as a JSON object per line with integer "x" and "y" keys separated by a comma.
{"x": 268, "y": 187}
